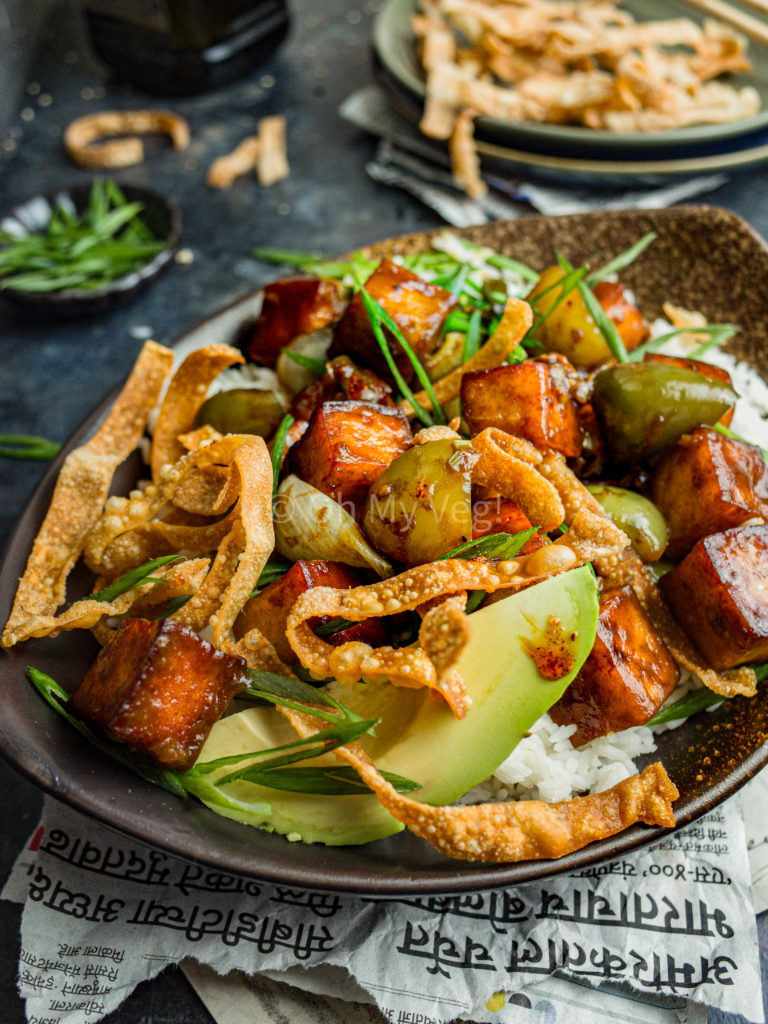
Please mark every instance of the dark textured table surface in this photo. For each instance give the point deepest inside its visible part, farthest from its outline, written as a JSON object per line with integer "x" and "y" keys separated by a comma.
{"x": 54, "y": 371}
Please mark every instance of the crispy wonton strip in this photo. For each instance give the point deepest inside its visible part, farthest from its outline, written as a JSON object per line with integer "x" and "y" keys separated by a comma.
{"x": 243, "y": 158}
{"x": 272, "y": 165}
{"x": 85, "y": 614}
{"x": 195, "y": 438}
{"x": 507, "y": 465}
{"x": 122, "y": 515}
{"x": 623, "y": 565}
{"x": 152, "y": 540}
{"x": 183, "y": 399}
{"x": 503, "y": 833}
{"x": 239, "y": 561}
{"x": 258, "y": 541}
{"x": 464, "y": 157}
{"x": 431, "y": 665}
{"x": 513, "y": 325}
{"x": 120, "y": 152}
{"x": 201, "y": 491}
{"x": 444, "y": 633}
{"x": 180, "y": 580}
{"x": 81, "y": 490}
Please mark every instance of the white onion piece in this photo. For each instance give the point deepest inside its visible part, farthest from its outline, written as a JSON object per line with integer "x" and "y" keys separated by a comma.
{"x": 295, "y": 378}
{"x": 309, "y": 524}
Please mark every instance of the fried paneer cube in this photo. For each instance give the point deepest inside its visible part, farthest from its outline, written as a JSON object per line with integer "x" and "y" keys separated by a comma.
{"x": 346, "y": 446}
{"x": 418, "y": 308}
{"x": 719, "y": 595}
{"x": 291, "y": 307}
{"x": 630, "y": 323}
{"x": 158, "y": 687}
{"x": 698, "y": 366}
{"x": 530, "y": 399}
{"x": 627, "y": 676}
{"x": 268, "y": 611}
{"x": 705, "y": 483}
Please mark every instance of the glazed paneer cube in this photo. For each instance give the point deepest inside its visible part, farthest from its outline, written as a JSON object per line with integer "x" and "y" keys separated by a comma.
{"x": 698, "y": 366}
{"x": 719, "y": 595}
{"x": 529, "y": 399}
{"x": 346, "y": 446}
{"x": 627, "y": 676}
{"x": 158, "y": 687}
{"x": 293, "y": 306}
{"x": 419, "y": 309}
{"x": 705, "y": 483}
{"x": 630, "y": 323}
{"x": 268, "y": 610}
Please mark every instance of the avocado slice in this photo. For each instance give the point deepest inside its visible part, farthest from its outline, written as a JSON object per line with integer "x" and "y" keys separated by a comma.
{"x": 523, "y": 653}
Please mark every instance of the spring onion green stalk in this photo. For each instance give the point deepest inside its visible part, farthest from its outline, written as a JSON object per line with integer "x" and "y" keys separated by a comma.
{"x": 603, "y": 322}
{"x": 79, "y": 252}
{"x": 56, "y": 696}
{"x": 325, "y": 780}
{"x": 379, "y": 318}
{"x": 172, "y": 605}
{"x": 513, "y": 266}
{"x": 472, "y": 337}
{"x": 28, "y": 446}
{"x": 727, "y": 432}
{"x": 134, "y": 578}
{"x": 333, "y": 626}
{"x": 274, "y": 570}
{"x": 717, "y": 334}
{"x": 307, "y": 362}
{"x": 622, "y": 260}
{"x": 690, "y": 704}
{"x": 346, "y": 724}
{"x": 317, "y": 263}
{"x": 495, "y": 545}
{"x": 322, "y": 742}
{"x": 566, "y": 285}
{"x": 278, "y": 449}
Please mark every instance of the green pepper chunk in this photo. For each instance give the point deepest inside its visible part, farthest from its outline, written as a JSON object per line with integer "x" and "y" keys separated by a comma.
{"x": 420, "y": 506}
{"x": 644, "y": 407}
{"x": 637, "y": 516}
{"x": 242, "y": 411}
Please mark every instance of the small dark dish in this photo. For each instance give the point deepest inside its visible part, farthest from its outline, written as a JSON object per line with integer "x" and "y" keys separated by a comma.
{"x": 159, "y": 214}
{"x": 705, "y": 259}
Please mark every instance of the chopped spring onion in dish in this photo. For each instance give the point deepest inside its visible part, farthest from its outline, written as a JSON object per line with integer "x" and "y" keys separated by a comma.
{"x": 80, "y": 251}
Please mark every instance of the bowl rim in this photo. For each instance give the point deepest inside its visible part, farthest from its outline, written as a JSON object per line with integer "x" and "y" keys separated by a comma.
{"x": 235, "y": 854}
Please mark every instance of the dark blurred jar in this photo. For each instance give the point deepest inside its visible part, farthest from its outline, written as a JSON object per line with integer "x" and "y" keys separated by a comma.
{"x": 184, "y": 46}
{"x": 20, "y": 21}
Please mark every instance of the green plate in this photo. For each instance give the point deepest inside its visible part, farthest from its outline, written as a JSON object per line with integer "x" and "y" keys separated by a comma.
{"x": 394, "y": 46}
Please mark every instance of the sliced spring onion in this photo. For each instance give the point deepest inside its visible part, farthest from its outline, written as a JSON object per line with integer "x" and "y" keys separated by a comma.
{"x": 622, "y": 260}
{"x": 278, "y": 449}
{"x": 495, "y": 545}
{"x": 133, "y": 578}
{"x": 379, "y": 318}
{"x": 603, "y": 322}
{"x": 690, "y": 704}
{"x": 718, "y": 333}
{"x": 28, "y": 446}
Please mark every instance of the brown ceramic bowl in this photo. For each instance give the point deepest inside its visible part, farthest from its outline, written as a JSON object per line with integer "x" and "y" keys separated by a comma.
{"x": 704, "y": 259}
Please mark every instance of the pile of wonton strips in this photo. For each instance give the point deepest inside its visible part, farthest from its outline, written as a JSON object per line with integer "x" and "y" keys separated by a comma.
{"x": 585, "y": 62}
{"x": 210, "y": 500}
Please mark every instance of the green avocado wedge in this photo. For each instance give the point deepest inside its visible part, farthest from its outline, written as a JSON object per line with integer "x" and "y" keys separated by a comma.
{"x": 523, "y": 653}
